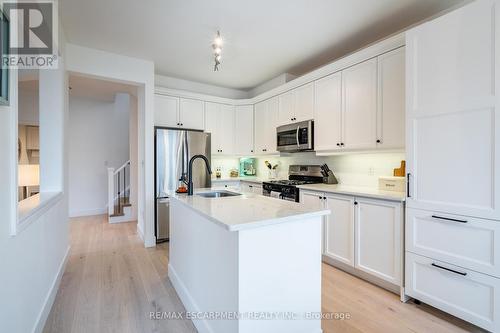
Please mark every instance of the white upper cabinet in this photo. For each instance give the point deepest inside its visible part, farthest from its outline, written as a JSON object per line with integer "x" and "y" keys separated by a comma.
{"x": 296, "y": 105}
{"x": 362, "y": 107}
{"x": 391, "y": 99}
{"x": 304, "y": 102}
{"x": 226, "y": 129}
{"x": 211, "y": 115}
{"x": 359, "y": 85}
{"x": 286, "y": 113}
{"x": 453, "y": 118}
{"x": 220, "y": 123}
{"x": 243, "y": 130}
{"x": 179, "y": 112}
{"x": 266, "y": 119}
{"x": 328, "y": 112}
{"x": 191, "y": 114}
{"x": 166, "y": 111}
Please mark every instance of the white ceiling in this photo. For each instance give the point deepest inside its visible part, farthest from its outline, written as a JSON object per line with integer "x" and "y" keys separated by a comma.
{"x": 263, "y": 38}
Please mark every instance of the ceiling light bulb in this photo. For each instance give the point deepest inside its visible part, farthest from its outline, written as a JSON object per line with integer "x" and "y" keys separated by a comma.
{"x": 218, "y": 41}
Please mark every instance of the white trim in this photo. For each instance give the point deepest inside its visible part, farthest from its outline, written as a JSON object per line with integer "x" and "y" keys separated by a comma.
{"x": 353, "y": 151}
{"x": 140, "y": 232}
{"x": 89, "y": 212}
{"x": 12, "y": 108}
{"x": 30, "y": 209}
{"x": 150, "y": 240}
{"x": 188, "y": 301}
{"x": 51, "y": 296}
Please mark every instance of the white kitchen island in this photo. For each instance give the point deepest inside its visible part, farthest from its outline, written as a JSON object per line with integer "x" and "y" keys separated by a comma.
{"x": 246, "y": 263}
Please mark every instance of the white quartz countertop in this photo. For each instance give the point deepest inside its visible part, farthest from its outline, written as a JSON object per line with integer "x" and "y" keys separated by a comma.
{"x": 362, "y": 191}
{"x": 246, "y": 211}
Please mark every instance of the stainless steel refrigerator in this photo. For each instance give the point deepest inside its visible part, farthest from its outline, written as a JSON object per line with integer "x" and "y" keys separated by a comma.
{"x": 173, "y": 150}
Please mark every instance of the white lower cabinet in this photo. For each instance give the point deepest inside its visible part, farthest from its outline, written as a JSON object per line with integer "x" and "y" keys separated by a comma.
{"x": 365, "y": 234}
{"x": 249, "y": 187}
{"x": 339, "y": 228}
{"x": 452, "y": 264}
{"x": 460, "y": 240}
{"x": 464, "y": 293}
{"x": 379, "y": 238}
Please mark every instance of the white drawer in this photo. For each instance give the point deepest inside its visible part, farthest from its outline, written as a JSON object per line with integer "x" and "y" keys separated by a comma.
{"x": 466, "y": 294}
{"x": 464, "y": 241}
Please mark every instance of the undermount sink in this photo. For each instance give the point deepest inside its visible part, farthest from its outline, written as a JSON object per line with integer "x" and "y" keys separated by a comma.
{"x": 217, "y": 194}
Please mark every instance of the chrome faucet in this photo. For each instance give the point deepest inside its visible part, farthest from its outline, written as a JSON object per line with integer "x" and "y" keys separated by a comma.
{"x": 190, "y": 171}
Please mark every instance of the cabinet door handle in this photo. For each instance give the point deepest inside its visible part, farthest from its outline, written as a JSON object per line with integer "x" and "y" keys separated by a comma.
{"x": 408, "y": 185}
{"x": 355, "y": 202}
{"x": 448, "y": 219}
{"x": 449, "y": 269}
{"x": 378, "y": 141}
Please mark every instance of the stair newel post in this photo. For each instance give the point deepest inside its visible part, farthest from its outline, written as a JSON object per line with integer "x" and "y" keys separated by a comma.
{"x": 111, "y": 190}
{"x": 124, "y": 184}
{"x": 119, "y": 192}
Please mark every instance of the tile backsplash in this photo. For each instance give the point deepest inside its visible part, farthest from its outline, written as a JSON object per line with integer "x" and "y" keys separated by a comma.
{"x": 350, "y": 169}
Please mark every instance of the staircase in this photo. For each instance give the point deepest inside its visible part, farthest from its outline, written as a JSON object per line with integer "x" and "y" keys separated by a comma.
{"x": 119, "y": 206}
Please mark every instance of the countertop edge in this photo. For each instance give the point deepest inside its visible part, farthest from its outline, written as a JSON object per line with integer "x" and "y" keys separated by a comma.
{"x": 353, "y": 193}
{"x": 255, "y": 224}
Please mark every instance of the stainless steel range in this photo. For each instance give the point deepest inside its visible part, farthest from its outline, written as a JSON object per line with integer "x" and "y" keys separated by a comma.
{"x": 297, "y": 175}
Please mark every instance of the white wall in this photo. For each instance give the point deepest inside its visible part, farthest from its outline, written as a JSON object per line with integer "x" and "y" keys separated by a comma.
{"x": 140, "y": 73}
{"x": 350, "y": 169}
{"x": 32, "y": 261}
{"x": 28, "y": 104}
{"x": 98, "y": 139}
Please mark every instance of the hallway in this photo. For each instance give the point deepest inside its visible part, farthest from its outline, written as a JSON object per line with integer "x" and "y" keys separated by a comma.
{"x": 112, "y": 283}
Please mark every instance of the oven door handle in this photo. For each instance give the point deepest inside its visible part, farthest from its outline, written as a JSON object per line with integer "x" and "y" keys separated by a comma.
{"x": 297, "y": 136}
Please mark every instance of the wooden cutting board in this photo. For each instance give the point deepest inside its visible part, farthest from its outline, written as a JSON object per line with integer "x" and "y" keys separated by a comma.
{"x": 401, "y": 171}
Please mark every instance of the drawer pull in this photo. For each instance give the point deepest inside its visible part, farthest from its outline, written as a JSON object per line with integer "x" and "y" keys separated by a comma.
{"x": 448, "y": 219}
{"x": 449, "y": 269}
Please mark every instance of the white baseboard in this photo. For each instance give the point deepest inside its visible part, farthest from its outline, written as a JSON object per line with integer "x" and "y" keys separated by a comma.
{"x": 51, "y": 296}
{"x": 186, "y": 299}
{"x": 150, "y": 241}
{"x": 88, "y": 212}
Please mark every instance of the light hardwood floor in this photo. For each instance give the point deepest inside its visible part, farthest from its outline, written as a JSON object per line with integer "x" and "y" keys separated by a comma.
{"x": 112, "y": 283}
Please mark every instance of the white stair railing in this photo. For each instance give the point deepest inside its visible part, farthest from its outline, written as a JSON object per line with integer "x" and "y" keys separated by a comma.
{"x": 118, "y": 186}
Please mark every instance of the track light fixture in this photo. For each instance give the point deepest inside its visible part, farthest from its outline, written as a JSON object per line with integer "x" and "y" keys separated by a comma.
{"x": 217, "y": 48}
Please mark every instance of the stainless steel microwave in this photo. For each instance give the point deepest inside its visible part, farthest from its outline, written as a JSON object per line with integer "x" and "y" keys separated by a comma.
{"x": 296, "y": 137}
